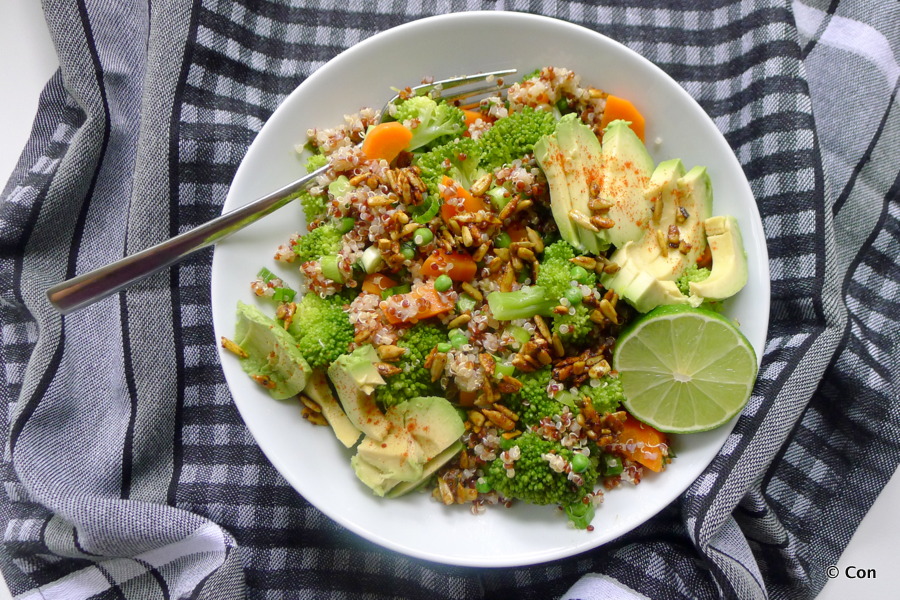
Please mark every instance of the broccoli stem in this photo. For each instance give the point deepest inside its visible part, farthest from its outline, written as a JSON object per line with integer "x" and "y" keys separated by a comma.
{"x": 521, "y": 304}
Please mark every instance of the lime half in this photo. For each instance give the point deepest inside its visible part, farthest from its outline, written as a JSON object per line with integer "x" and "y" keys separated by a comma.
{"x": 684, "y": 369}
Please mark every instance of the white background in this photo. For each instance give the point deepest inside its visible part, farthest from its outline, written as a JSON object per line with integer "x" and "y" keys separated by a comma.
{"x": 27, "y": 60}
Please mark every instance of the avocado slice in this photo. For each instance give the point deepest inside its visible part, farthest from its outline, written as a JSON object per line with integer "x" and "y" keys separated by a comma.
{"x": 317, "y": 389}
{"x": 729, "y": 260}
{"x": 354, "y": 377}
{"x": 581, "y": 152}
{"x": 636, "y": 285}
{"x": 428, "y": 470}
{"x": 625, "y": 170}
{"x": 421, "y": 430}
{"x": 552, "y": 161}
{"x": 273, "y": 357}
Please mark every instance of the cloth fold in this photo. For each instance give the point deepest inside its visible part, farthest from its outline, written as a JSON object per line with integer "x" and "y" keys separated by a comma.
{"x": 128, "y": 471}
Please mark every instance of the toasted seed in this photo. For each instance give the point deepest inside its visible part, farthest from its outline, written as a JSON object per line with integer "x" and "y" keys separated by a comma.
{"x": 465, "y": 494}
{"x": 599, "y": 370}
{"x": 519, "y": 361}
{"x": 603, "y": 222}
{"x": 508, "y": 278}
{"x": 233, "y": 347}
{"x": 609, "y": 311}
{"x": 544, "y": 357}
{"x": 380, "y": 201}
{"x": 684, "y": 247}
{"x": 264, "y": 380}
{"x": 386, "y": 370}
{"x": 673, "y": 236}
{"x": 476, "y": 417}
{"x": 502, "y": 254}
{"x": 358, "y": 179}
{"x": 445, "y": 494}
{"x": 561, "y": 310}
{"x": 599, "y": 203}
{"x": 585, "y": 261}
{"x": 582, "y": 220}
{"x": 558, "y": 347}
{"x": 437, "y": 365}
{"x": 495, "y": 265}
{"x": 610, "y": 268}
{"x": 578, "y": 367}
{"x": 595, "y": 93}
{"x": 662, "y": 242}
{"x": 535, "y": 238}
{"x": 480, "y": 252}
{"x": 499, "y": 419}
{"x": 472, "y": 291}
{"x": 509, "y": 208}
{"x": 524, "y": 205}
{"x": 508, "y": 435}
{"x": 466, "y": 236}
{"x": 401, "y": 217}
{"x": 313, "y": 417}
{"x": 526, "y": 254}
{"x": 481, "y": 185}
{"x": 509, "y": 385}
{"x": 310, "y": 403}
{"x": 390, "y": 352}
{"x": 487, "y": 363}
{"x": 362, "y": 335}
{"x": 454, "y": 226}
{"x": 506, "y": 411}
{"x": 459, "y": 321}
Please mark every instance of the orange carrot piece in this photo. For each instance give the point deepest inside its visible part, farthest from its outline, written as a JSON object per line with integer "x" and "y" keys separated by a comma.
{"x": 467, "y": 398}
{"x": 375, "y": 283}
{"x": 428, "y": 302}
{"x": 386, "y": 140}
{"x": 453, "y": 190}
{"x": 649, "y": 439}
{"x": 517, "y": 232}
{"x": 619, "y": 108}
{"x": 459, "y": 266}
{"x": 471, "y": 116}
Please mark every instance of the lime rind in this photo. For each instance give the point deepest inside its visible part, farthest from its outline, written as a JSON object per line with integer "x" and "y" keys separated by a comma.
{"x": 685, "y": 369}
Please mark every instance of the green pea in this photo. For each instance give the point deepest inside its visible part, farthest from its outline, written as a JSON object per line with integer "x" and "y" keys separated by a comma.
{"x": 579, "y": 274}
{"x": 573, "y": 295}
{"x": 502, "y": 240}
{"x": 444, "y": 347}
{"x": 580, "y": 462}
{"x": 501, "y": 369}
{"x": 423, "y": 236}
{"x": 408, "y": 250}
{"x": 483, "y": 486}
{"x": 458, "y": 338}
{"x": 443, "y": 282}
{"x": 346, "y": 224}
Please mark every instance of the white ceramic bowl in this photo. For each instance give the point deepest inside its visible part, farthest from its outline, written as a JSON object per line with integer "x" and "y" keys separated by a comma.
{"x": 310, "y": 458}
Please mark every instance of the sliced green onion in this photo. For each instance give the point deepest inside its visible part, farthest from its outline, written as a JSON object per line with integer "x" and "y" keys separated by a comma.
{"x": 429, "y": 213}
{"x": 330, "y": 268}
{"x": 501, "y": 369}
{"x": 465, "y": 303}
{"x": 499, "y": 197}
{"x": 283, "y": 294}
{"x": 520, "y": 334}
{"x": 610, "y": 465}
{"x": 346, "y": 224}
{"x": 581, "y": 514}
{"x": 397, "y": 289}
{"x": 265, "y": 274}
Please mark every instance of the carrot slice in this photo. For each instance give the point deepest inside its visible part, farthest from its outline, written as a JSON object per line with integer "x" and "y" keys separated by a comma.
{"x": 386, "y": 140}
{"x": 620, "y": 108}
{"x": 421, "y": 303}
{"x": 375, "y": 283}
{"x": 517, "y": 232}
{"x": 648, "y": 441}
{"x": 467, "y": 398}
{"x": 459, "y": 266}
{"x": 453, "y": 190}
{"x": 471, "y": 116}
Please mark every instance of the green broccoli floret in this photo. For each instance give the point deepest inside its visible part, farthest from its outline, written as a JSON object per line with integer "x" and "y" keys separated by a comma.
{"x": 534, "y": 478}
{"x": 429, "y": 120}
{"x": 321, "y": 241}
{"x": 556, "y": 275}
{"x": 531, "y": 402}
{"x": 560, "y": 250}
{"x": 692, "y": 273}
{"x": 322, "y": 329}
{"x": 313, "y": 205}
{"x": 607, "y": 396}
{"x": 414, "y": 380}
{"x": 514, "y": 136}
{"x": 458, "y": 159}
{"x": 521, "y": 304}
{"x": 576, "y": 327}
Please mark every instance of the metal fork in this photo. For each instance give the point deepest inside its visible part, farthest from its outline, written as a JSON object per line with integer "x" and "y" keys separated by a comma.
{"x": 86, "y": 289}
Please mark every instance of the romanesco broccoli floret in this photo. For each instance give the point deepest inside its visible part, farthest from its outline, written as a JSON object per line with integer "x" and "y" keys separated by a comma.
{"x": 531, "y": 402}
{"x": 313, "y": 205}
{"x": 575, "y": 327}
{"x": 692, "y": 273}
{"x": 322, "y": 328}
{"x": 429, "y": 120}
{"x": 321, "y": 241}
{"x": 457, "y": 159}
{"x": 514, "y": 136}
{"x": 539, "y": 473}
{"x": 414, "y": 380}
{"x": 560, "y": 250}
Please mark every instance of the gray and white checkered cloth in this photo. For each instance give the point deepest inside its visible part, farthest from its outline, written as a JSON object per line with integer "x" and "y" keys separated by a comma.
{"x": 129, "y": 474}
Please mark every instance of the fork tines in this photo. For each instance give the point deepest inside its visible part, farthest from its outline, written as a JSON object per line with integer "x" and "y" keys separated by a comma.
{"x": 480, "y": 84}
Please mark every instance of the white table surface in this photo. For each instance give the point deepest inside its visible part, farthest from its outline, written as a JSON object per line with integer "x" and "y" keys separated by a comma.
{"x": 27, "y": 60}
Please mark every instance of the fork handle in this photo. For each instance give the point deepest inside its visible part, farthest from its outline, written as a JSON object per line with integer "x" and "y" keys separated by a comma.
{"x": 92, "y": 286}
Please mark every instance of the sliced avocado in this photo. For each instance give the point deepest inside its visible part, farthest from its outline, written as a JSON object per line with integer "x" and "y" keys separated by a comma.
{"x": 273, "y": 357}
{"x": 432, "y": 421}
{"x": 624, "y": 173}
{"x": 428, "y": 470}
{"x": 636, "y": 285}
{"x": 729, "y": 260}
{"x": 553, "y": 162}
{"x": 354, "y": 377}
{"x": 581, "y": 152}
{"x": 318, "y": 390}
{"x": 422, "y": 429}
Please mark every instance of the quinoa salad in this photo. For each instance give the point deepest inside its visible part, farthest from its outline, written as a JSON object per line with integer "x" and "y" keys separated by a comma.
{"x": 451, "y": 302}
